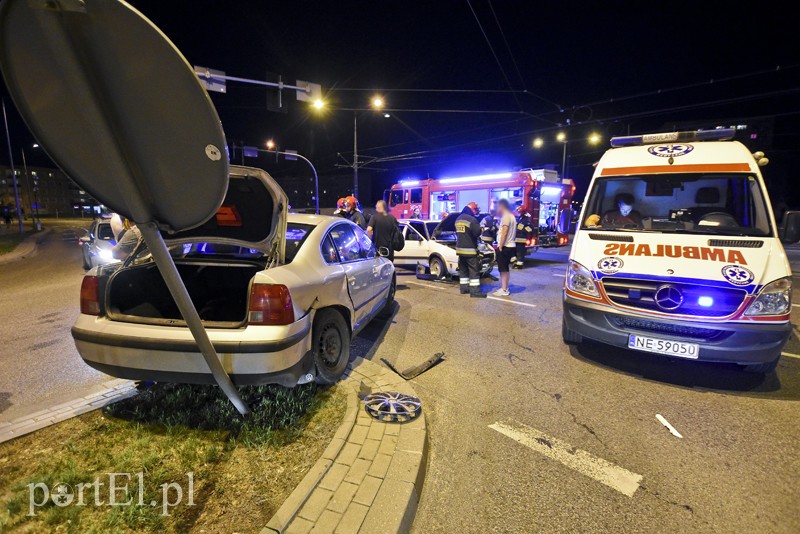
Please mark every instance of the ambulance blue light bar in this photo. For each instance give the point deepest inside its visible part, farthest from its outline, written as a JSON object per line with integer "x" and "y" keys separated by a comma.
{"x": 721, "y": 134}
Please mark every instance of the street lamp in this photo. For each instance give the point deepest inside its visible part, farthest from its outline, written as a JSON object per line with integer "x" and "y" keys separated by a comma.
{"x": 377, "y": 102}
{"x": 561, "y": 137}
{"x": 538, "y": 142}
{"x": 272, "y": 148}
{"x": 318, "y": 104}
{"x": 594, "y": 138}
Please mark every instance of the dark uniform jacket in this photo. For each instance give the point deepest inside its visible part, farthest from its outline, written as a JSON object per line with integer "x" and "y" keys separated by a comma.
{"x": 358, "y": 218}
{"x": 489, "y": 230}
{"x": 524, "y": 228}
{"x": 468, "y": 233}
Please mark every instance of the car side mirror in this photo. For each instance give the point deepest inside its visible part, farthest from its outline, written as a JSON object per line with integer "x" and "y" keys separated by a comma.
{"x": 85, "y": 239}
{"x": 383, "y": 252}
{"x": 791, "y": 227}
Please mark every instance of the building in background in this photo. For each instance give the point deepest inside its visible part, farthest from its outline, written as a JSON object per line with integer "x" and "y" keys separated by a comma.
{"x": 49, "y": 190}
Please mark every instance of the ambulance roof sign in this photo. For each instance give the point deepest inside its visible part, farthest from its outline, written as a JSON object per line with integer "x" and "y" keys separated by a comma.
{"x": 212, "y": 80}
{"x": 312, "y": 92}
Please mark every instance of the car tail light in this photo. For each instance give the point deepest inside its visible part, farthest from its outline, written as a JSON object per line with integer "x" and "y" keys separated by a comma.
{"x": 270, "y": 304}
{"x": 531, "y": 242}
{"x": 90, "y": 296}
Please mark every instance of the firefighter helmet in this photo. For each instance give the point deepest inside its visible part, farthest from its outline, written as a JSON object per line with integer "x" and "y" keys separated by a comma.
{"x": 340, "y": 203}
{"x": 474, "y": 207}
{"x": 353, "y": 202}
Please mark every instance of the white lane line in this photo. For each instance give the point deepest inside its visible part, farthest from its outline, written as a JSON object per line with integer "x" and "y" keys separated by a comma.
{"x": 795, "y": 305}
{"x": 581, "y": 461}
{"x": 498, "y": 299}
{"x": 790, "y": 355}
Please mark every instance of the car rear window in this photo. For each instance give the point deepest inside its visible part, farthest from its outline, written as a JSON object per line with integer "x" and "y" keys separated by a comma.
{"x": 105, "y": 232}
{"x": 296, "y": 235}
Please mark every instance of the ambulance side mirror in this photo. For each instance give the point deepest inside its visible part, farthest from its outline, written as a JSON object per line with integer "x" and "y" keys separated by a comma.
{"x": 790, "y": 229}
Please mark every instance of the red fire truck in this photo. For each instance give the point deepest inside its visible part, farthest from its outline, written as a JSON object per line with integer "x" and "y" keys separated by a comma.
{"x": 543, "y": 194}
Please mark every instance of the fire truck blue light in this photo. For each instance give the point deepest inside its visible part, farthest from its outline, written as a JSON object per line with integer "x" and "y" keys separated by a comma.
{"x": 705, "y": 301}
{"x": 409, "y": 182}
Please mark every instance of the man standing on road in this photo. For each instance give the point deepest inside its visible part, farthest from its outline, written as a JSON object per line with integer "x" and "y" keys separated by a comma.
{"x": 353, "y": 213}
{"x": 468, "y": 234}
{"x": 524, "y": 231}
{"x": 382, "y": 227}
{"x": 506, "y": 237}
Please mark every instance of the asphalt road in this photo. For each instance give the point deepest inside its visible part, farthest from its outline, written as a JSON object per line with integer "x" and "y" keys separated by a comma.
{"x": 735, "y": 469}
{"x": 39, "y": 302}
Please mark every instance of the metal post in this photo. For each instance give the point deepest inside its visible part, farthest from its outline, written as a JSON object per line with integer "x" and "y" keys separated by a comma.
{"x": 564, "y": 161}
{"x": 355, "y": 154}
{"x": 13, "y": 172}
{"x": 157, "y": 247}
{"x": 313, "y": 169}
{"x": 28, "y": 183}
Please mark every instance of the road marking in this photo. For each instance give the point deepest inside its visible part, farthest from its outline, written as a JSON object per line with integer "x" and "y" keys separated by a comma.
{"x": 790, "y": 355}
{"x": 795, "y": 305}
{"x": 498, "y": 299}
{"x": 603, "y": 471}
{"x": 671, "y": 428}
{"x": 560, "y": 275}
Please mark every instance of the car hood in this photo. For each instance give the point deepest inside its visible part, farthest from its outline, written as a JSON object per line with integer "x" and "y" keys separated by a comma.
{"x": 719, "y": 261}
{"x": 253, "y": 214}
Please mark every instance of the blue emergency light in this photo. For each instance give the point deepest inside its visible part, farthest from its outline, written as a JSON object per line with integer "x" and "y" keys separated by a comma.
{"x": 705, "y": 301}
{"x": 720, "y": 134}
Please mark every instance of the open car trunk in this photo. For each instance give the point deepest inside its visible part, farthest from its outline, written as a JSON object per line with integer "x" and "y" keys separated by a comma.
{"x": 218, "y": 289}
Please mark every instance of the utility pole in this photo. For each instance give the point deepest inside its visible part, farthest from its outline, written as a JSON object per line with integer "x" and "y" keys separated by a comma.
{"x": 13, "y": 172}
{"x": 355, "y": 154}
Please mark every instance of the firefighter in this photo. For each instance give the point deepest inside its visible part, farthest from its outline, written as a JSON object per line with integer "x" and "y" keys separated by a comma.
{"x": 340, "y": 208}
{"x": 468, "y": 234}
{"x": 524, "y": 233}
{"x": 488, "y": 229}
{"x": 354, "y": 213}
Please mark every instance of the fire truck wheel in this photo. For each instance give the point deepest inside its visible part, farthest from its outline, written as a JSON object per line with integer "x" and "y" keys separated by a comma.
{"x": 438, "y": 268}
{"x": 571, "y": 337}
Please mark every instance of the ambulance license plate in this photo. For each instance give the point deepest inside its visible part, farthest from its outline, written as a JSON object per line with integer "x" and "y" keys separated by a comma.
{"x": 664, "y": 346}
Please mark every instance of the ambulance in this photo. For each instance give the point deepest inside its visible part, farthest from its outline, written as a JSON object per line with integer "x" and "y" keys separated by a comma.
{"x": 677, "y": 253}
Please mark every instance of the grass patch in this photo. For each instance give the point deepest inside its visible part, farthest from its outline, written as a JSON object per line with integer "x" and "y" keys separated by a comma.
{"x": 9, "y": 242}
{"x": 242, "y": 468}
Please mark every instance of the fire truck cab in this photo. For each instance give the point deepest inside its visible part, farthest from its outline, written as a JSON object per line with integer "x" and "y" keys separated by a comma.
{"x": 540, "y": 191}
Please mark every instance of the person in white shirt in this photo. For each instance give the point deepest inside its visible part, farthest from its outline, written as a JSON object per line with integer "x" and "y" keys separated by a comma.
{"x": 506, "y": 237}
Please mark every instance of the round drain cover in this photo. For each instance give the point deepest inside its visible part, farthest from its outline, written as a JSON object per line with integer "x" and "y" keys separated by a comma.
{"x": 392, "y": 407}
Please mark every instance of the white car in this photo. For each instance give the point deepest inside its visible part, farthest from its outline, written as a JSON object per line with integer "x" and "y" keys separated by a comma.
{"x": 97, "y": 245}
{"x": 280, "y": 296}
{"x": 434, "y": 242}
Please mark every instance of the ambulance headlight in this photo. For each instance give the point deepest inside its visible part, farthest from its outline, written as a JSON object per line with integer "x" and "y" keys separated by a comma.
{"x": 774, "y": 299}
{"x": 580, "y": 280}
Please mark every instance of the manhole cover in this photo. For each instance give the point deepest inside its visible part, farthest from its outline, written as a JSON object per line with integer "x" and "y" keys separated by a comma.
{"x": 392, "y": 407}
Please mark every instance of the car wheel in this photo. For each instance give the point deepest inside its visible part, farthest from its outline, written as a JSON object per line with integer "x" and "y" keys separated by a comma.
{"x": 87, "y": 262}
{"x": 330, "y": 346}
{"x": 437, "y": 266}
{"x": 763, "y": 368}
{"x": 388, "y": 306}
{"x": 571, "y": 337}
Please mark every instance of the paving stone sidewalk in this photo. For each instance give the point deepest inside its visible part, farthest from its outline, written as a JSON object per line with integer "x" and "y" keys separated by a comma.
{"x": 369, "y": 479}
{"x": 115, "y": 390}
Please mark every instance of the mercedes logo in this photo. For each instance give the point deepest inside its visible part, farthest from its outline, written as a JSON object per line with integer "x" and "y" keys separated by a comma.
{"x": 668, "y": 298}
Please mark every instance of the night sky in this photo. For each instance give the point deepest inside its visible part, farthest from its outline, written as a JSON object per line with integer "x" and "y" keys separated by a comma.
{"x": 610, "y": 68}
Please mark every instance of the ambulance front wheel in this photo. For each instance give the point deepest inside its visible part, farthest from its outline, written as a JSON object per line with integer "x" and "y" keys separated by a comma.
{"x": 571, "y": 337}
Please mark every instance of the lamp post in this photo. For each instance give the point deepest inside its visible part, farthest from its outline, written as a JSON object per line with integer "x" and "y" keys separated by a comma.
{"x": 13, "y": 172}
{"x": 561, "y": 137}
{"x": 273, "y": 150}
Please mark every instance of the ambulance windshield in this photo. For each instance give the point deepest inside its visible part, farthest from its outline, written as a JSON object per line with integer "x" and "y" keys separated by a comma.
{"x": 722, "y": 204}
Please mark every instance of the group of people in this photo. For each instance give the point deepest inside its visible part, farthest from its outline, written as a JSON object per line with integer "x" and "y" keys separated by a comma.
{"x": 511, "y": 235}
{"x": 382, "y": 227}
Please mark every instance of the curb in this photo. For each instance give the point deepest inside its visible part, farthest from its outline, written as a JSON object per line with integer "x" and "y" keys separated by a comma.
{"x": 370, "y": 477}
{"x": 25, "y": 249}
{"x": 116, "y": 390}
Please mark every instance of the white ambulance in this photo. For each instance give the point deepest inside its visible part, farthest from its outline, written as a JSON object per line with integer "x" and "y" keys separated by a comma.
{"x": 678, "y": 253}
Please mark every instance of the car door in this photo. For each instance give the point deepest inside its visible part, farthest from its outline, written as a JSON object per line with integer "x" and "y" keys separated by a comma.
{"x": 380, "y": 268}
{"x": 357, "y": 268}
{"x": 416, "y": 242}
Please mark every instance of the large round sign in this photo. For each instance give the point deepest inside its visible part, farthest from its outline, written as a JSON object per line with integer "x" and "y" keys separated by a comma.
{"x": 117, "y": 107}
